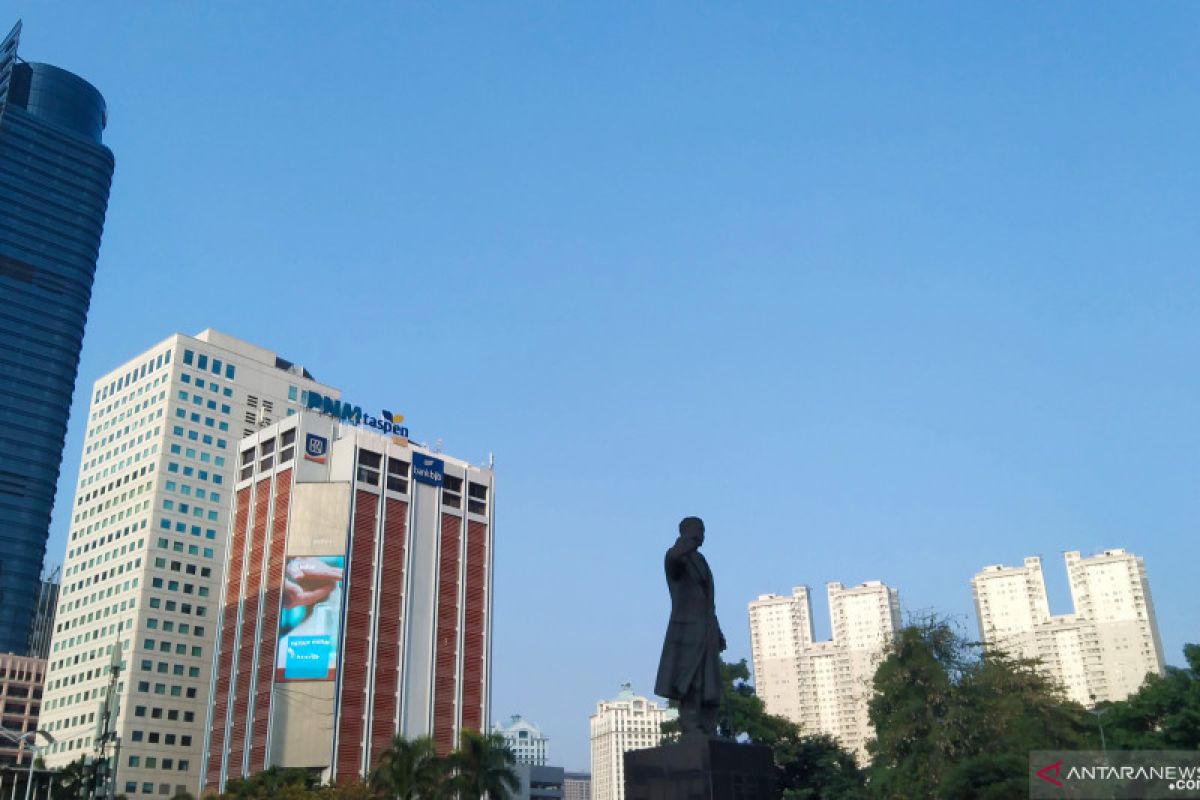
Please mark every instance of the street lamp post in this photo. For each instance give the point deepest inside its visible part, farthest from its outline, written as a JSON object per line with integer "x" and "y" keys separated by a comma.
{"x": 31, "y": 736}
{"x": 25, "y": 740}
{"x": 1099, "y": 712}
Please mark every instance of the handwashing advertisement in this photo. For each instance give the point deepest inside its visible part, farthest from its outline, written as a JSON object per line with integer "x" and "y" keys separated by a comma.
{"x": 310, "y": 618}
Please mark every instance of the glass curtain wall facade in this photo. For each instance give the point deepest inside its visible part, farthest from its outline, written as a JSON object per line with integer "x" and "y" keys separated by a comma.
{"x": 54, "y": 180}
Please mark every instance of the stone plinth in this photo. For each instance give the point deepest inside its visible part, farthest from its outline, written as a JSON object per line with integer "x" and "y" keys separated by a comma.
{"x": 701, "y": 768}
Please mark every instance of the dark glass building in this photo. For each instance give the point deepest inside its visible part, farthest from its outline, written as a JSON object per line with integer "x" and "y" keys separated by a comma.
{"x": 54, "y": 181}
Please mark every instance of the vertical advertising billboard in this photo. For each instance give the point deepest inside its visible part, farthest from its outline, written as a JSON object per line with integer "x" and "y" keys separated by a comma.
{"x": 310, "y": 619}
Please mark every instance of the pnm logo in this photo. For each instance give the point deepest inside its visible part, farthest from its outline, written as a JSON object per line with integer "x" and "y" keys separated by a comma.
{"x": 315, "y": 448}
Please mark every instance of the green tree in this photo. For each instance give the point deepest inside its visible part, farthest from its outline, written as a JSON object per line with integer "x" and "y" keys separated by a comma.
{"x": 354, "y": 790}
{"x": 953, "y": 722}
{"x": 71, "y": 779}
{"x": 482, "y": 767}
{"x": 816, "y": 767}
{"x": 1163, "y": 715}
{"x": 276, "y": 783}
{"x": 409, "y": 769}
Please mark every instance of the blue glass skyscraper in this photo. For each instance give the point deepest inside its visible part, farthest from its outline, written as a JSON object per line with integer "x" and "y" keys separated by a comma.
{"x": 54, "y": 180}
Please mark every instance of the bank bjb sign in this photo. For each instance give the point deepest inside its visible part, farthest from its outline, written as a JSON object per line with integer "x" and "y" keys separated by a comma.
{"x": 387, "y": 423}
{"x": 428, "y": 470}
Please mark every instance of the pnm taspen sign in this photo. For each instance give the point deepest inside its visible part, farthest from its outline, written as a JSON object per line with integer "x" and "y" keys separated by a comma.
{"x": 389, "y": 423}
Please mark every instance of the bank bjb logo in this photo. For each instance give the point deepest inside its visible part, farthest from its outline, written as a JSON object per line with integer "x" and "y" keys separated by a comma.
{"x": 315, "y": 448}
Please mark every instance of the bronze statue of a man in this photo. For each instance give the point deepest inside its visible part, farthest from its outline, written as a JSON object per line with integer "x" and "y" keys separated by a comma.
{"x": 690, "y": 668}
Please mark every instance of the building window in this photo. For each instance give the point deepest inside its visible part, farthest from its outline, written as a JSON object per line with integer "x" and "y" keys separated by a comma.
{"x": 368, "y": 467}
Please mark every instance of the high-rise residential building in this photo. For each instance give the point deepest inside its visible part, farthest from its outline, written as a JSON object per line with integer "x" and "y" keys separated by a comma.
{"x": 823, "y": 687}
{"x": 577, "y": 786}
{"x": 1101, "y": 651}
{"x": 54, "y": 180}
{"x": 525, "y": 739}
{"x": 627, "y": 722}
{"x": 146, "y": 546}
{"x": 357, "y": 599}
{"x": 1010, "y": 603}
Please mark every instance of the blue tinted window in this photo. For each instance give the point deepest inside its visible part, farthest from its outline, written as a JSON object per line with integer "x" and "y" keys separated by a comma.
{"x": 216, "y": 368}
{"x": 229, "y": 371}
{"x": 202, "y": 362}
{"x": 187, "y": 356}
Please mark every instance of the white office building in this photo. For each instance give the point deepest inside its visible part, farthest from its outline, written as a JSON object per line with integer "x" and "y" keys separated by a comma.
{"x": 146, "y": 546}
{"x": 627, "y": 722}
{"x": 1103, "y": 650}
{"x": 525, "y": 739}
{"x": 823, "y": 687}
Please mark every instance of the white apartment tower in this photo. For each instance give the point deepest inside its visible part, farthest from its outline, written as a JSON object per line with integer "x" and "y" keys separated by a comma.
{"x": 1102, "y": 651}
{"x": 146, "y": 546}
{"x": 823, "y": 687}
{"x": 1010, "y": 603}
{"x": 628, "y": 722}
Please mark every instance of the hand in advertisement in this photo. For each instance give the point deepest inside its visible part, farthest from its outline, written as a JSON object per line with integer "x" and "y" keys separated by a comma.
{"x": 309, "y": 580}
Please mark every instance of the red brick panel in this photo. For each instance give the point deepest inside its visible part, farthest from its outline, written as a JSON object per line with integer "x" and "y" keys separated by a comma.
{"x": 354, "y": 657}
{"x": 474, "y": 625}
{"x": 387, "y": 651}
{"x": 250, "y": 605}
{"x": 268, "y": 632}
{"x": 233, "y": 593}
{"x": 445, "y": 660}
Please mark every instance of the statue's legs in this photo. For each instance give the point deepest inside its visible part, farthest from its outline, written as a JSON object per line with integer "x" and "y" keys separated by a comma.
{"x": 696, "y": 717}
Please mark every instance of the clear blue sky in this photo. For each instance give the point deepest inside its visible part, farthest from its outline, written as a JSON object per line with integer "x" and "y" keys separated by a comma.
{"x": 880, "y": 291}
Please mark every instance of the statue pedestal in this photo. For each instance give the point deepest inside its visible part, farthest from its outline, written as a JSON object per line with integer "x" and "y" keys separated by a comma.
{"x": 701, "y": 768}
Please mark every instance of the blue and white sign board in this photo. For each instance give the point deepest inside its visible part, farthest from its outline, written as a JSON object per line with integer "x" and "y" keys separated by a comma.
{"x": 428, "y": 470}
{"x": 315, "y": 447}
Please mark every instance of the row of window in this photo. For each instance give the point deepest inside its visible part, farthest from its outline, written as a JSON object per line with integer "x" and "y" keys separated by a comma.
{"x": 174, "y": 607}
{"x": 182, "y": 527}
{"x": 175, "y": 586}
{"x": 170, "y": 714}
{"x": 135, "y": 374}
{"x": 104, "y": 574}
{"x": 165, "y": 668}
{"x": 152, "y": 762}
{"x": 202, "y": 361}
{"x": 164, "y": 789}
{"x": 191, "y": 549}
{"x": 117, "y": 447}
{"x": 100, "y": 541}
{"x": 112, "y": 486}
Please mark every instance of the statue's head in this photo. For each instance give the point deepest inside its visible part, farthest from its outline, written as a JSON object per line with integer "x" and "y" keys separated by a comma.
{"x": 692, "y": 528}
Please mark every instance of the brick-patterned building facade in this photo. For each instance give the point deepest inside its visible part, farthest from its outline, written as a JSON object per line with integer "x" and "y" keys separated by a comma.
{"x": 357, "y": 602}
{"x": 21, "y": 698}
